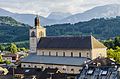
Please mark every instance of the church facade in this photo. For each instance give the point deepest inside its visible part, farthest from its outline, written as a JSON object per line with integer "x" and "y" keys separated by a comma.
{"x": 68, "y": 54}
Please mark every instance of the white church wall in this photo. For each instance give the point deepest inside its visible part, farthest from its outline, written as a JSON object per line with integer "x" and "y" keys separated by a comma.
{"x": 55, "y": 52}
{"x": 99, "y": 52}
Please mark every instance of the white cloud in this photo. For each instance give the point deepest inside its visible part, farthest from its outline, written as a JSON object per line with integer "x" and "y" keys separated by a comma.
{"x": 44, "y": 7}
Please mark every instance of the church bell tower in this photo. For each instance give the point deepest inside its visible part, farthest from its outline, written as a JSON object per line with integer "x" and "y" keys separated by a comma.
{"x": 35, "y": 34}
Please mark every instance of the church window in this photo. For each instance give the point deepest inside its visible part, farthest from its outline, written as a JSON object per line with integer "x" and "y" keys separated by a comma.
{"x": 29, "y": 66}
{"x": 71, "y": 54}
{"x": 43, "y": 53}
{"x": 87, "y": 54}
{"x": 64, "y": 69}
{"x": 48, "y": 67}
{"x": 35, "y": 66}
{"x": 72, "y": 69}
{"x": 56, "y": 53}
{"x": 64, "y": 54}
{"x": 32, "y": 34}
{"x": 79, "y": 54}
{"x": 41, "y": 67}
{"x": 49, "y": 53}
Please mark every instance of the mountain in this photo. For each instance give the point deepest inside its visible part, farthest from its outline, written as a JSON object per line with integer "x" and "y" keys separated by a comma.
{"x": 26, "y": 18}
{"x": 5, "y": 12}
{"x": 29, "y": 19}
{"x": 58, "y": 15}
{"x": 105, "y": 11}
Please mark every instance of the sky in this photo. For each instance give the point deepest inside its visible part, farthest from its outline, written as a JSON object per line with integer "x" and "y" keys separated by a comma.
{"x": 45, "y": 7}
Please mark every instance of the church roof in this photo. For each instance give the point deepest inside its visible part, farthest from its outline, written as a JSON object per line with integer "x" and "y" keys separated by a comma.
{"x": 81, "y": 42}
{"x": 72, "y": 61}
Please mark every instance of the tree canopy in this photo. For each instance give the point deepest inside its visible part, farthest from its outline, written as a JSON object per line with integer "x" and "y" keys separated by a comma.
{"x": 2, "y": 48}
{"x": 13, "y": 48}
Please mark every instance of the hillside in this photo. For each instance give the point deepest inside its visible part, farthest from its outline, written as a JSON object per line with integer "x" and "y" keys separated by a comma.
{"x": 10, "y": 21}
{"x": 12, "y": 31}
{"x": 100, "y": 28}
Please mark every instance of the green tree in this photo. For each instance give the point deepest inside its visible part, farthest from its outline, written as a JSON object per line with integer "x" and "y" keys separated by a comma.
{"x": 23, "y": 49}
{"x": 1, "y": 59}
{"x": 117, "y": 41}
{"x": 115, "y": 54}
{"x": 110, "y": 53}
{"x": 2, "y": 48}
{"x": 109, "y": 43}
{"x": 8, "y": 62}
{"x": 18, "y": 50}
{"x": 13, "y": 48}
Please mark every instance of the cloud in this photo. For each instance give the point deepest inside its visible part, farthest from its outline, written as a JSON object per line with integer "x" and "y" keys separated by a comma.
{"x": 44, "y": 7}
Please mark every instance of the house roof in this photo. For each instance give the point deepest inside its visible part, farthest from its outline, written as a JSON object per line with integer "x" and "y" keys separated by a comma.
{"x": 50, "y": 70}
{"x": 72, "y": 61}
{"x": 26, "y": 71}
{"x": 102, "y": 62}
{"x": 10, "y": 55}
{"x": 99, "y": 68}
{"x": 71, "y": 42}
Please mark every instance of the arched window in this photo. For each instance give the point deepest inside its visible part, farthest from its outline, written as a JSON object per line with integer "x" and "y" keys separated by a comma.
{"x": 29, "y": 66}
{"x": 43, "y": 53}
{"x": 49, "y": 53}
{"x": 79, "y": 54}
{"x": 24, "y": 65}
{"x": 56, "y": 53}
{"x": 64, "y": 54}
{"x": 87, "y": 54}
{"x": 42, "y": 67}
{"x": 71, "y": 54}
{"x": 35, "y": 66}
{"x": 32, "y": 34}
{"x": 72, "y": 69}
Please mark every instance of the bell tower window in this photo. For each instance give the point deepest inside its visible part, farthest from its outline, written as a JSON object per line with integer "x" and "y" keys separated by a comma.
{"x": 32, "y": 34}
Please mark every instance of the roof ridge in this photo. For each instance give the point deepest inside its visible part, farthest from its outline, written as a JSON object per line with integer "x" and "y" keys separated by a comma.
{"x": 68, "y": 36}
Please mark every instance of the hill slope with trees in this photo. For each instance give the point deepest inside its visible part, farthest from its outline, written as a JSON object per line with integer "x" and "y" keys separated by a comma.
{"x": 100, "y": 28}
{"x": 13, "y": 31}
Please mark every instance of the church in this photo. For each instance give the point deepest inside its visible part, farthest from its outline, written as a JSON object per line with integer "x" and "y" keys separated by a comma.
{"x": 67, "y": 53}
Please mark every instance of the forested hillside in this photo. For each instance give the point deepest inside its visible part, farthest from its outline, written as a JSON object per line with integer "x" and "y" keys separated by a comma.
{"x": 13, "y": 31}
{"x": 100, "y": 28}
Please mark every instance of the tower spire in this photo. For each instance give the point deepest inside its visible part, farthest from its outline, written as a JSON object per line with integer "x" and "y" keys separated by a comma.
{"x": 37, "y": 21}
